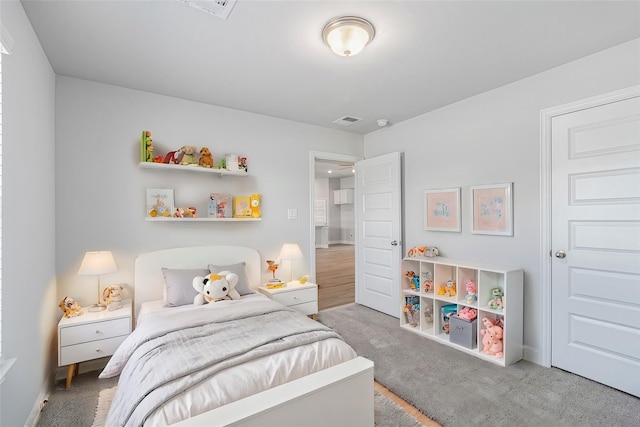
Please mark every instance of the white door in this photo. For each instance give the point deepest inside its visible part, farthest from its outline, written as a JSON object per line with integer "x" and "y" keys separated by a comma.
{"x": 595, "y": 240}
{"x": 378, "y": 233}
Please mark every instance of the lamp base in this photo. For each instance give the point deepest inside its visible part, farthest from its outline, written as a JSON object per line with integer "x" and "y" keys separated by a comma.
{"x": 96, "y": 307}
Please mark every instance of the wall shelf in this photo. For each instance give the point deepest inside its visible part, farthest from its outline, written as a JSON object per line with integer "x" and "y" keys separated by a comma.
{"x": 165, "y": 166}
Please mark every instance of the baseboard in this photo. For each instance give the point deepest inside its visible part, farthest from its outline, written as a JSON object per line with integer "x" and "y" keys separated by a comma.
{"x": 34, "y": 415}
{"x": 532, "y": 355}
{"x": 342, "y": 242}
{"x": 322, "y": 246}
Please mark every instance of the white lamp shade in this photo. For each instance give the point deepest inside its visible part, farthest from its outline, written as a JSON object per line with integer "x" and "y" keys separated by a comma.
{"x": 97, "y": 263}
{"x": 290, "y": 251}
{"x": 348, "y": 35}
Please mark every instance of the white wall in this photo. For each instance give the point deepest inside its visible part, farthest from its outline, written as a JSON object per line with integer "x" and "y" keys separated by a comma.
{"x": 494, "y": 138}
{"x": 321, "y": 191}
{"x": 347, "y": 218}
{"x": 100, "y": 189}
{"x": 29, "y": 305}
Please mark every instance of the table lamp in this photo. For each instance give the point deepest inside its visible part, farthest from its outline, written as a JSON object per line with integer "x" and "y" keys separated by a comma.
{"x": 290, "y": 251}
{"x": 97, "y": 263}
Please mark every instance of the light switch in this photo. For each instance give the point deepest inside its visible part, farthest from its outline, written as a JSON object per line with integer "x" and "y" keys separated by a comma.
{"x": 292, "y": 214}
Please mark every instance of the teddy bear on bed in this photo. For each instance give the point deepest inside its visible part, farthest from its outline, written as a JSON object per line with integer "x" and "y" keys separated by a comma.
{"x": 215, "y": 287}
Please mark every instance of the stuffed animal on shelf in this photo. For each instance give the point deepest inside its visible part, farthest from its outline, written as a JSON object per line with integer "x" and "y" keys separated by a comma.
{"x": 206, "y": 159}
{"x": 497, "y": 299}
{"x": 188, "y": 155}
{"x": 414, "y": 280}
{"x": 491, "y": 338}
{"x": 467, "y": 313}
{"x": 70, "y": 307}
{"x": 427, "y": 282}
{"x": 215, "y": 287}
{"x": 448, "y": 289}
{"x": 472, "y": 290}
{"x": 173, "y": 157}
{"x": 416, "y": 251}
{"x": 112, "y": 295}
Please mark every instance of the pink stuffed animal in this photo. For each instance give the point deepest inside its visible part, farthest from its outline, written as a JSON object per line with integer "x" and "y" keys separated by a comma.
{"x": 491, "y": 338}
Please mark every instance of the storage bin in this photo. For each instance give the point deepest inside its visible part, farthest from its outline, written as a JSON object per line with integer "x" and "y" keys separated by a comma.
{"x": 463, "y": 332}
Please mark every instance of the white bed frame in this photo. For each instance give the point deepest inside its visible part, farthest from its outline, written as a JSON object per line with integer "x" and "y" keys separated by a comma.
{"x": 340, "y": 395}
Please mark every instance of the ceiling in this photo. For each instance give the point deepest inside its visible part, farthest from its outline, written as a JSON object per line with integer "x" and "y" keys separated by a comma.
{"x": 268, "y": 56}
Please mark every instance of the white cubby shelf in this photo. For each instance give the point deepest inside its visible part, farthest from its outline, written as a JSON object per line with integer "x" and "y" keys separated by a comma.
{"x": 487, "y": 277}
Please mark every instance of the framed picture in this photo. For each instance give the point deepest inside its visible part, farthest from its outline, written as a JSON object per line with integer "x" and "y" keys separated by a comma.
{"x": 160, "y": 202}
{"x": 442, "y": 210}
{"x": 492, "y": 209}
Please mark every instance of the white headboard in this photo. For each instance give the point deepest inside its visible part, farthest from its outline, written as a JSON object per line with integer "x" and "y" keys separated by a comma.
{"x": 148, "y": 280}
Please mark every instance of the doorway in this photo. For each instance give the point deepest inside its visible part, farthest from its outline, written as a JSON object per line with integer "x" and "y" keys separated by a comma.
{"x": 333, "y": 228}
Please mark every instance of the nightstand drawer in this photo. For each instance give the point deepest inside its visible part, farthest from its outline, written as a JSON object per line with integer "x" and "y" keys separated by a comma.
{"x": 296, "y": 297}
{"x": 90, "y": 350}
{"x": 94, "y": 331}
{"x": 307, "y": 308}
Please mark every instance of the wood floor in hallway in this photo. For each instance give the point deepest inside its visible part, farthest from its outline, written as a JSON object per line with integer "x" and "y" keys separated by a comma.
{"x": 335, "y": 275}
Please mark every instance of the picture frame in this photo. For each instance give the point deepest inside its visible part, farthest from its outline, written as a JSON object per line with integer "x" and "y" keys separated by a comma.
{"x": 442, "y": 210}
{"x": 160, "y": 202}
{"x": 492, "y": 209}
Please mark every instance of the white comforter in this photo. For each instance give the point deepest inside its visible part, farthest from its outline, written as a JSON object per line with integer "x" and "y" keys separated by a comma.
{"x": 182, "y": 390}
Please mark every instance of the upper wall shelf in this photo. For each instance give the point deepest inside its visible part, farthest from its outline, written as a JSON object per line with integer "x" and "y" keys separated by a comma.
{"x": 222, "y": 172}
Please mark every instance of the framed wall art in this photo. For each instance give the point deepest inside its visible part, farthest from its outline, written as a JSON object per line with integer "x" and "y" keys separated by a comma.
{"x": 492, "y": 209}
{"x": 442, "y": 210}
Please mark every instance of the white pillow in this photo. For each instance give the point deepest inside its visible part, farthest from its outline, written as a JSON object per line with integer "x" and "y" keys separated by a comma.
{"x": 243, "y": 280}
{"x": 178, "y": 285}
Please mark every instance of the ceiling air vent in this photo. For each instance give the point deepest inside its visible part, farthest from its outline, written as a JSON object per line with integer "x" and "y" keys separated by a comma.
{"x": 219, "y": 8}
{"x": 347, "y": 120}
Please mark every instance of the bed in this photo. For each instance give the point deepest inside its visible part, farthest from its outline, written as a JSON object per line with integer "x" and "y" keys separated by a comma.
{"x": 246, "y": 362}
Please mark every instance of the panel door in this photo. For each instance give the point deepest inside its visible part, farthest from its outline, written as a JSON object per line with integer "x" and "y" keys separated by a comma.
{"x": 596, "y": 243}
{"x": 378, "y": 232}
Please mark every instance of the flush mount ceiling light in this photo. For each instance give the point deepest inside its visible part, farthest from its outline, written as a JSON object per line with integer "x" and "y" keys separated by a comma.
{"x": 348, "y": 35}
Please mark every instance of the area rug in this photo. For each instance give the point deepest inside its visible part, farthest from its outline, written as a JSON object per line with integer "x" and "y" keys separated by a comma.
{"x": 386, "y": 412}
{"x": 458, "y": 389}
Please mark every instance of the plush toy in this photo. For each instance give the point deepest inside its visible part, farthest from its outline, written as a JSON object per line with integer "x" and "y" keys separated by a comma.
{"x": 448, "y": 289}
{"x": 173, "y": 157}
{"x": 188, "y": 155}
{"x": 70, "y": 307}
{"x": 472, "y": 290}
{"x": 112, "y": 295}
{"x": 255, "y": 203}
{"x": 468, "y": 314}
{"x": 215, "y": 287}
{"x": 416, "y": 251}
{"x": 206, "y": 159}
{"x": 414, "y": 280}
{"x": 497, "y": 300}
{"x": 491, "y": 338}
{"x": 427, "y": 282}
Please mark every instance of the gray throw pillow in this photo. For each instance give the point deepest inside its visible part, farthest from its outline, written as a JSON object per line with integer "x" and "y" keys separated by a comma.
{"x": 243, "y": 280}
{"x": 179, "y": 285}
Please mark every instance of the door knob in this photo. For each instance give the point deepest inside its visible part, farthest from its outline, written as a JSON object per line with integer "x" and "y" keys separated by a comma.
{"x": 394, "y": 243}
{"x": 560, "y": 254}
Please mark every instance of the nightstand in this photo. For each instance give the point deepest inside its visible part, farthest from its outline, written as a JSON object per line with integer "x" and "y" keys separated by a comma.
{"x": 302, "y": 298}
{"x": 91, "y": 335}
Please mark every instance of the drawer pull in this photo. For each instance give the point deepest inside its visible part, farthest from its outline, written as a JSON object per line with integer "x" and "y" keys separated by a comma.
{"x": 97, "y": 331}
{"x": 98, "y": 350}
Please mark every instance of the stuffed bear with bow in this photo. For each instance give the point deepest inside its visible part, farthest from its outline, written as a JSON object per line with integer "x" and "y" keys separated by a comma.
{"x": 215, "y": 287}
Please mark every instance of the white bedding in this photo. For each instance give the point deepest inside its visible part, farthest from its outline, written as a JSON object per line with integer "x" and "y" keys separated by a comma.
{"x": 240, "y": 381}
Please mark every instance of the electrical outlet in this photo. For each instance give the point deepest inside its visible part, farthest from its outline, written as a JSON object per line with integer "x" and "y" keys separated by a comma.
{"x": 292, "y": 214}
